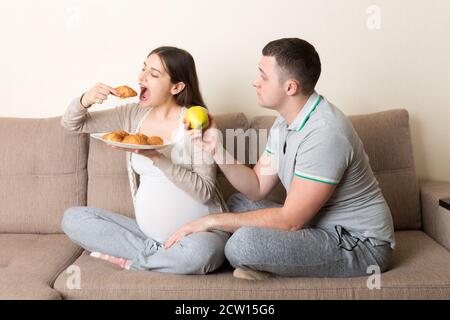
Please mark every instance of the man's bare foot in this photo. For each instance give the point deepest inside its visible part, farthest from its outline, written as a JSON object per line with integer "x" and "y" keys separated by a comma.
{"x": 123, "y": 263}
{"x": 251, "y": 274}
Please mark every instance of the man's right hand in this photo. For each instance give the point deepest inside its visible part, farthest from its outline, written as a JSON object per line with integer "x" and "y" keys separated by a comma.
{"x": 254, "y": 183}
{"x": 97, "y": 94}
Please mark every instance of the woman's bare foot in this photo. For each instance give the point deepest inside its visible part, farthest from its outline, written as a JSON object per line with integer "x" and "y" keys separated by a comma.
{"x": 123, "y": 263}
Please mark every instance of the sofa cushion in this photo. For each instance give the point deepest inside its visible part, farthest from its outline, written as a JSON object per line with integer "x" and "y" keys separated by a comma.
{"x": 29, "y": 264}
{"x": 43, "y": 172}
{"x": 387, "y": 141}
{"x": 420, "y": 271}
{"x": 108, "y": 184}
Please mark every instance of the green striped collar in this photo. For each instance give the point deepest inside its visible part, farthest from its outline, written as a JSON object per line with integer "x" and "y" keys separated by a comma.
{"x": 304, "y": 114}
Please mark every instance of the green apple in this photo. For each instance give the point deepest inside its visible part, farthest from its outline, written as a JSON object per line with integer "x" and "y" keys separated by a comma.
{"x": 197, "y": 117}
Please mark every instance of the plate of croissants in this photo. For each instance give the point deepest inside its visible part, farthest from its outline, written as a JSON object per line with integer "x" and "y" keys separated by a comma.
{"x": 121, "y": 138}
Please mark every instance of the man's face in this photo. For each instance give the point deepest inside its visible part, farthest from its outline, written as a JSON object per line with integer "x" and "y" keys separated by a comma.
{"x": 268, "y": 87}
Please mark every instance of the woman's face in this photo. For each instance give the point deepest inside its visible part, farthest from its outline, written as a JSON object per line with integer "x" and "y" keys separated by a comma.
{"x": 156, "y": 87}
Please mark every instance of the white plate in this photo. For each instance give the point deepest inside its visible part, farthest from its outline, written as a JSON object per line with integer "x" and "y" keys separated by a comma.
{"x": 130, "y": 145}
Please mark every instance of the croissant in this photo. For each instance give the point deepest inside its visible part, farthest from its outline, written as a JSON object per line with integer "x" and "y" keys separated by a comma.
{"x": 142, "y": 135}
{"x": 138, "y": 138}
{"x": 116, "y": 136}
{"x": 126, "y": 92}
{"x": 155, "y": 140}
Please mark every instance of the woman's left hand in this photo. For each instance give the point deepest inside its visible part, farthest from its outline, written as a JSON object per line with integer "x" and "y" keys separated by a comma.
{"x": 152, "y": 154}
{"x": 201, "y": 224}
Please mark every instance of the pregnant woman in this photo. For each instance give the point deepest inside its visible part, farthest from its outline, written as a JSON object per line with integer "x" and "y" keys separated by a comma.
{"x": 177, "y": 184}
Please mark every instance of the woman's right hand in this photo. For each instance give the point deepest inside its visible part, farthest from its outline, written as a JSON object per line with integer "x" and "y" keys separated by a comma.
{"x": 97, "y": 94}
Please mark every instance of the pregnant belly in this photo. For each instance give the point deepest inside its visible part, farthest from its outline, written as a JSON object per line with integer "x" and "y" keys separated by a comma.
{"x": 161, "y": 208}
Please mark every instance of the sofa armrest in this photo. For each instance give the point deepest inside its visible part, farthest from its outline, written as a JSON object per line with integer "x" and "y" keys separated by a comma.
{"x": 435, "y": 218}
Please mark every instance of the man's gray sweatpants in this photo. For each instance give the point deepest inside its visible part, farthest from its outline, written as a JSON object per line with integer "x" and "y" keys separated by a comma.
{"x": 309, "y": 252}
{"x": 103, "y": 231}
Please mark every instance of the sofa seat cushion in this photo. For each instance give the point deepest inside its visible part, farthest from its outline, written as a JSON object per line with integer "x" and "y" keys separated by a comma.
{"x": 420, "y": 271}
{"x": 29, "y": 264}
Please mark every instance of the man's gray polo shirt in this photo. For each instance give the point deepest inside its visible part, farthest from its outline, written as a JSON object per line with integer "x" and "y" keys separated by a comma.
{"x": 322, "y": 145}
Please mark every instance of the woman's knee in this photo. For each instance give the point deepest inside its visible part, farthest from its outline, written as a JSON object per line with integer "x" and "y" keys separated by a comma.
{"x": 204, "y": 252}
{"x": 72, "y": 218}
{"x": 384, "y": 258}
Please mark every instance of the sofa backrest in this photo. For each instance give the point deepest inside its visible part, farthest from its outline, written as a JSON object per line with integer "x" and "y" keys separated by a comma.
{"x": 238, "y": 124}
{"x": 387, "y": 141}
{"x": 47, "y": 169}
{"x": 108, "y": 183}
{"x": 42, "y": 173}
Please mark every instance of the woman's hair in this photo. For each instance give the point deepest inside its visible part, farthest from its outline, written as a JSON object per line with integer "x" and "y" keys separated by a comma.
{"x": 180, "y": 66}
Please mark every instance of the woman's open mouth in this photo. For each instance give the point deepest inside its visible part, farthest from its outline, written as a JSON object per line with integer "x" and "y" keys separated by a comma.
{"x": 145, "y": 94}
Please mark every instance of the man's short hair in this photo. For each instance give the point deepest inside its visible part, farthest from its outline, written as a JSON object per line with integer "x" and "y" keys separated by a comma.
{"x": 298, "y": 58}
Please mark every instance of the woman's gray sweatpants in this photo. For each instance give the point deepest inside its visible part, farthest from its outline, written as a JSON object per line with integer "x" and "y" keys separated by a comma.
{"x": 103, "y": 231}
{"x": 309, "y": 252}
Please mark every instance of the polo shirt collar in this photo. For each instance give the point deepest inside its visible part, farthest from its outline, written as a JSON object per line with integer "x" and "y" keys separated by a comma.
{"x": 305, "y": 112}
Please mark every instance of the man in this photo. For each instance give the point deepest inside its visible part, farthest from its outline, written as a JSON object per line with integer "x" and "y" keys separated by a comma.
{"x": 335, "y": 221}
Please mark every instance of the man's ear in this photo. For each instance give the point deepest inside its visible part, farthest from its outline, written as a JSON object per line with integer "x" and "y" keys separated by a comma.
{"x": 177, "y": 88}
{"x": 291, "y": 87}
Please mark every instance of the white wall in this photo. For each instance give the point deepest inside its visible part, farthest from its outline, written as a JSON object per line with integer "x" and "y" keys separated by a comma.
{"x": 52, "y": 50}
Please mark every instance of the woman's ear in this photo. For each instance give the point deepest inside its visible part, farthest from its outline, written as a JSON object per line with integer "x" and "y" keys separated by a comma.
{"x": 177, "y": 88}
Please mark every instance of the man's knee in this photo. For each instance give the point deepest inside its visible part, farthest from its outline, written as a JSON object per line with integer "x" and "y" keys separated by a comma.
{"x": 238, "y": 249}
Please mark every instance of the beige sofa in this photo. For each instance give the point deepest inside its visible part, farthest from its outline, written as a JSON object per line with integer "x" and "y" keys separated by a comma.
{"x": 46, "y": 169}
